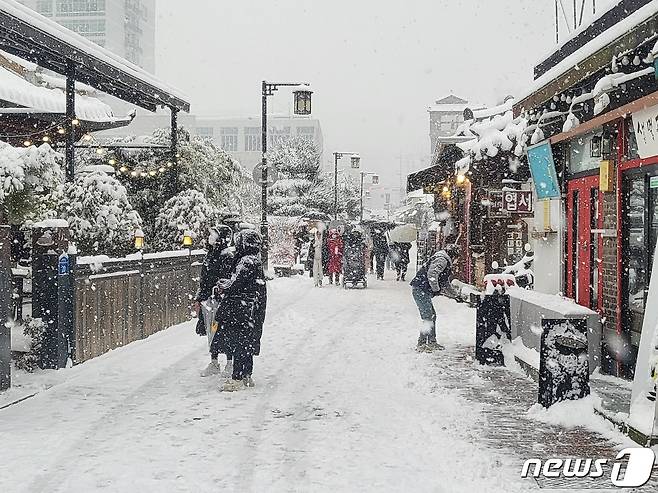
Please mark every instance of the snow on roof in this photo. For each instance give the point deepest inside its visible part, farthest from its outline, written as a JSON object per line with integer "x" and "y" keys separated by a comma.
{"x": 502, "y": 132}
{"x": 15, "y": 89}
{"x": 83, "y": 44}
{"x": 494, "y": 110}
{"x": 594, "y": 45}
{"x": 448, "y": 107}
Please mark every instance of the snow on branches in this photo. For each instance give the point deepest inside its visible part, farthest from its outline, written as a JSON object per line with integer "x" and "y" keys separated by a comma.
{"x": 100, "y": 216}
{"x": 24, "y": 173}
{"x": 189, "y": 211}
{"x": 303, "y": 187}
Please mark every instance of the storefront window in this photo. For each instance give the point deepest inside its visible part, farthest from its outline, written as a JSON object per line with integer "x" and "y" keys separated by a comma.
{"x": 586, "y": 152}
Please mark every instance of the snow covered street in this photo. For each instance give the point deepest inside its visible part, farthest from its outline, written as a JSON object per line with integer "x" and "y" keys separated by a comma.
{"x": 342, "y": 403}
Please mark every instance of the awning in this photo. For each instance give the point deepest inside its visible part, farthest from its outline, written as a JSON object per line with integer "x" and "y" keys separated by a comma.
{"x": 35, "y": 38}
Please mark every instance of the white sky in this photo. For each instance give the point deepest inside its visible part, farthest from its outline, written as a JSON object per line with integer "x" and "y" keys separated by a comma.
{"x": 375, "y": 65}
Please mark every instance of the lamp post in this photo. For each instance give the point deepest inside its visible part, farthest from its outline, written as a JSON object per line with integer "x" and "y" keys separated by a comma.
{"x": 302, "y": 106}
{"x": 139, "y": 246}
{"x": 364, "y": 173}
{"x": 355, "y": 161}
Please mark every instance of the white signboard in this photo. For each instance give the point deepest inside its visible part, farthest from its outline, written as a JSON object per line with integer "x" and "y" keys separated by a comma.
{"x": 645, "y": 123}
{"x": 643, "y": 416}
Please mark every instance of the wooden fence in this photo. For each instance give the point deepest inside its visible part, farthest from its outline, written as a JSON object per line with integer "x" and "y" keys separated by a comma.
{"x": 121, "y": 301}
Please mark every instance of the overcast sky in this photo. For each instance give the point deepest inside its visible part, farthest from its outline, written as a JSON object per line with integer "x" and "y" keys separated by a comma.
{"x": 374, "y": 65}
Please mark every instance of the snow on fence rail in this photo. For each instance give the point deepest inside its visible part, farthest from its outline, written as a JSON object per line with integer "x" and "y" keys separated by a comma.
{"x": 119, "y": 301}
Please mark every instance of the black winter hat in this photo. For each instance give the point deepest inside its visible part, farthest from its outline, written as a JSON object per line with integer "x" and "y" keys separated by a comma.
{"x": 248, "y": 240}
{"x": 452, "y": 250}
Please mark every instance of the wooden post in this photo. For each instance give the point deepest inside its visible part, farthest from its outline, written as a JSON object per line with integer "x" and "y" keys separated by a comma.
{"x": 5, "y": 306}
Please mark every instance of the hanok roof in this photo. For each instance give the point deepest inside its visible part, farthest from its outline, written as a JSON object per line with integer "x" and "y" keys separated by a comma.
{"x": 33, "y": 37}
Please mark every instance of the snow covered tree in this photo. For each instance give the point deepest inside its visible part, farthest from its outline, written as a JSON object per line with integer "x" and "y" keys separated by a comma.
{"x": 186, "y": 211}
{"x": 25, "y": 174}
{"x": 202, "y": 166}
{"x": 100, "y": 216}
{"x": 302, "y": 186}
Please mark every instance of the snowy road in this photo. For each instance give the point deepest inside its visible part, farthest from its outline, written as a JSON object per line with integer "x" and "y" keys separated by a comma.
{"x": 342, "y": 403}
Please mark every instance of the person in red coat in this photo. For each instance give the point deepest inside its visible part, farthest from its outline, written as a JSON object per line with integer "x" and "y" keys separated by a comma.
{"x": 335, "y": 244}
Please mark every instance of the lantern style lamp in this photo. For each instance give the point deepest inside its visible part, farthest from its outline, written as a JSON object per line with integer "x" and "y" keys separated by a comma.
{"x": 139, "y": 239}
{"x": 355, "y": 161}
{"x": 461, "y": 179}
{"x": 187, "y": 239}
{"x": 375, "y": 179}
{"x": 302, "y": 94}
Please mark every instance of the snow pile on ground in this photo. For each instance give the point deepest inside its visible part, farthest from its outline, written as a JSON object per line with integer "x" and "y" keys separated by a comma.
{"x": 578, "y": 413}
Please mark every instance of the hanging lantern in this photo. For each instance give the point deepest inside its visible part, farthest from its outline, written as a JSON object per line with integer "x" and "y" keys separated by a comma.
{"x": 302, "y": 95}
{"x": 187, "y": 239}
{"x": 139, "y": 239}
{"x": 355, "y": 161}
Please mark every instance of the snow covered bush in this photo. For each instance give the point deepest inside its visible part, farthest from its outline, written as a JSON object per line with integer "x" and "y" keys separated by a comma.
{"x": 187, "y": 211}
{"x": 100, "y": 216}
{"x": 26, "y": 173}
{"x": 34, "y": 329}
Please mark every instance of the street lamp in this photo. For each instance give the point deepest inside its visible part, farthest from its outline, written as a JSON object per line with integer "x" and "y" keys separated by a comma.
{"x": 139, "y": 240}
{"x": 355, "y": 161}
{"x": 302, "y": 94}
{"x": 374, "y": 176}
{"x": 302, "y": 106}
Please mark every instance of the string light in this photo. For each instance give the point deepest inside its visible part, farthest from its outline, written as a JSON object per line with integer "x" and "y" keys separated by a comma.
{"x": 27, "y": 143}
{"x": 125, "y": 168}
{"x": 61, "y": 131}
{"x": 45, "y": 138}
{"x": 75, "y": 122}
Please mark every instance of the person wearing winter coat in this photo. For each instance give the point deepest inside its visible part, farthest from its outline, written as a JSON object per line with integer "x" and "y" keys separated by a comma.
{"x": 244, "y": 304}
{"x": 218, "y": 264}
{"x": 336, "y": 249}
{"x": 433, "y": 279}
{"x": 318, "y": 268}
{"x": 380, "y": 244}
{"x": 401, "y": 259}
{"x": 300, "y": 238}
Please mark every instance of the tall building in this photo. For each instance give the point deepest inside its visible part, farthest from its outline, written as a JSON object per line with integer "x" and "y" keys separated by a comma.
{"x": 125, "y": 27}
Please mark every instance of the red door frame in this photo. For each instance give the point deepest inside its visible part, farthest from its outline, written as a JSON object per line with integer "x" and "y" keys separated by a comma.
{"x": 622, "y": 148}
{"x": 584, "y": 235}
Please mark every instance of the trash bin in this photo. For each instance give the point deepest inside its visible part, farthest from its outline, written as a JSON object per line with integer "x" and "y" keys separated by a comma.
{"x": 492, "y": 323}
{"x": 564, "y": 361}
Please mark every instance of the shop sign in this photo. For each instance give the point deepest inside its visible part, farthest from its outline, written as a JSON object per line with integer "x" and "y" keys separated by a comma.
{"x": 645, "y": 124}
{"x": 653, "y": 182}
{"x": 517, "y": 201}
{"x": 496, "y": 209}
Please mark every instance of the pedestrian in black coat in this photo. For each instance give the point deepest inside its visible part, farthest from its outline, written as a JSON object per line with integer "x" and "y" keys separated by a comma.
{"x": 218, "y": 264}
{"x": 380, "y": 248}
{"x": 401, "y": 259}
{"x": 244, "y": 303}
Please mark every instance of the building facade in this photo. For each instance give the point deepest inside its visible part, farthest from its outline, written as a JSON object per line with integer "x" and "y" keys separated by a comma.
{"x": 125, "y": 27}
{"x": 446, "y": 115}
{"x": 240, "y": 137}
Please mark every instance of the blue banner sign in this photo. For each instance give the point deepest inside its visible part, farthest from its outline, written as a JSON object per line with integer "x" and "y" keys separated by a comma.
{"x": 542, "y": 168}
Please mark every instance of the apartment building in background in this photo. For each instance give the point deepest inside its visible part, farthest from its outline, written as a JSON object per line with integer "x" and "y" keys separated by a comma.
{"x": 240, "y": 136}
{"x": 125, "y": 27}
